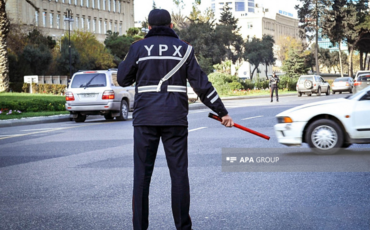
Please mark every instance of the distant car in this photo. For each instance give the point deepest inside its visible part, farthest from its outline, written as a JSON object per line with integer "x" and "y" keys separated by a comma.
{"x": 309, "y": 84}
{"x": 98, "y": 93}
{"x": 362, "y": 80}
{"x": 327, "y": 125}
{"x": 192, "y": 96}
{"x": 342, "y": 84}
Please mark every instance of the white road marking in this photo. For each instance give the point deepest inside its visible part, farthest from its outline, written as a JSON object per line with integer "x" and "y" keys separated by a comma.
{"x": 36, "y": 129}
{"x": 46, "y": 131}
{"x": 191, "y": 130}
{"x": 251, "y": 117}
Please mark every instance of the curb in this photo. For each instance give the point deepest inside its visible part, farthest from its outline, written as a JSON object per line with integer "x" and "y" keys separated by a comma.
{"x": 63, "y": 118}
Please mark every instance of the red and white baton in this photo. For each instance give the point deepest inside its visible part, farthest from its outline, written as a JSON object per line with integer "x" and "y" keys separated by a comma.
{"x": 211, "y": 115}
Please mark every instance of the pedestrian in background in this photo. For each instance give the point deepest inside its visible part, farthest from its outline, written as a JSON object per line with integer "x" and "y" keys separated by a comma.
{"x": 274, "y": 81}
{"x": 160, "y": 65}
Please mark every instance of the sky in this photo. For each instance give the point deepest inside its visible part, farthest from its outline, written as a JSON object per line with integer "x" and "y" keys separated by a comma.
{"x": 143, "y": 7}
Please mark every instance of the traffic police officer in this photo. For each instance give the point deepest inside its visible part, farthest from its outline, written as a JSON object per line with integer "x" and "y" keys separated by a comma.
{"x": 160, "y": 65}
{"x": 274, "y": 86}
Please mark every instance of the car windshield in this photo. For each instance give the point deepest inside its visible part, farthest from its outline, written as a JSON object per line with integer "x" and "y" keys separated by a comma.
{"x": 304, "y": 78}
{"x": 80, "y": 80}
{"x": 341, "y": 79}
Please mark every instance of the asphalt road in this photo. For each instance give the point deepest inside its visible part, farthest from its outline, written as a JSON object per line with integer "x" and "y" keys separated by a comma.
{"x": 79, "y": 176}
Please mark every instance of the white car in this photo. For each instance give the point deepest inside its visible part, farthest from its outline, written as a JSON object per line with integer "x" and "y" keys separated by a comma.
{"x": 327, "y": 125}
{"x": 98, "y": 93}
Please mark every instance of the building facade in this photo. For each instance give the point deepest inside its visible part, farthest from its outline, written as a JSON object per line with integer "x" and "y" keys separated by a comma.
{"x": 255, "y": 20}
{"x": 96, "y": 16}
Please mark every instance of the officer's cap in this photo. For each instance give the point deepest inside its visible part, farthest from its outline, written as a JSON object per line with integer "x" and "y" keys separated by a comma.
{"x": 159, "y": 17}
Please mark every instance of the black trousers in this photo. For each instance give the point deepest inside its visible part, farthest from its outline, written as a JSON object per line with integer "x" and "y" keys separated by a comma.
{"x": 274, "y": 88}
{"x": 175, "y": 143}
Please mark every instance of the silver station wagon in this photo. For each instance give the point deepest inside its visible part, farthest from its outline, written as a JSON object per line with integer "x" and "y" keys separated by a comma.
{"x": 98, "y": 93}
{"x": 309, "y": 84}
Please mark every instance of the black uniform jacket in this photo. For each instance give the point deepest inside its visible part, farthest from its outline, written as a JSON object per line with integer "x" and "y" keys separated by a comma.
{"x": 147, "y": 62}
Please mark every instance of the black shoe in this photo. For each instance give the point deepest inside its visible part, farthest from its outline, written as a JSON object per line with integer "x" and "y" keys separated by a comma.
{"x": 271, "y": 100}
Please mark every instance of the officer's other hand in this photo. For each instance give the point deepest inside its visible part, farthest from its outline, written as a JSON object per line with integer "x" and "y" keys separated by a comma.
{"x": 227, "y": 121}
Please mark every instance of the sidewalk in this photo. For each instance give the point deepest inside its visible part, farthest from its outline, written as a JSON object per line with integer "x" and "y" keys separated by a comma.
{"x": 63, "y": 118}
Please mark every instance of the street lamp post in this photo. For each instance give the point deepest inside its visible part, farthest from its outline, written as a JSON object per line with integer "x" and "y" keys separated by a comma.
{"x": 69, "y": 19}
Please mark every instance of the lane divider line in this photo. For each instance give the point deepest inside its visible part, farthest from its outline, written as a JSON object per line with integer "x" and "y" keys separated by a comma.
{"x": 191, "y": 130}
{"x": 47, "y": 131}
{"x": 251, "y": 117}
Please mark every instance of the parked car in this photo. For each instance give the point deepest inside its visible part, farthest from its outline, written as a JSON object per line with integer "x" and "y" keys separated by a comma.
{"x": 342, "y": 84}
{"x": 327, "y": 125}
{"x": 362, "y": 80}
{"x": 309, "y": 84}
{"x": 98, "y": 93}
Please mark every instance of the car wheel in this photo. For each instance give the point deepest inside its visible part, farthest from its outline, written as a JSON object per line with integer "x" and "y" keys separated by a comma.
{"x": 351, "y": 90}
{"x": 309, "y": 94}
{"x": 80, "y": 118}
{"x": 108, "y": 117}
{"x": 308, "y": 84}
{"x": 299, "y": 94}
{"x": 333, "y": 92}
{"x": 340, "y": 92}
{"x": 123, "y": 112}
{"x": 319, "y": 91}
{"x": 324, "y": 136}
{"x": 328, "y": 92}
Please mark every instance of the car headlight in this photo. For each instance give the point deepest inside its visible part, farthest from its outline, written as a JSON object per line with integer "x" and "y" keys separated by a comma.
{"x": 284, "y": 120}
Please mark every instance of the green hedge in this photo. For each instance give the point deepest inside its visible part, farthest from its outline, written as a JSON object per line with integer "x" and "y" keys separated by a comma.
{"x": 44, "y": 88}
{"x": 29, "y": 103}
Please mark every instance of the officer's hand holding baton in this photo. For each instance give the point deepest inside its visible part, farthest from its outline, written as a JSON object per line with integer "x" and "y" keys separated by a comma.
{"x": 227, "y": 121}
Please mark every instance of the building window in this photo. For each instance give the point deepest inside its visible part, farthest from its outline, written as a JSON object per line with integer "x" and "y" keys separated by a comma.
{"x": 58, "y": 21}
{"x": 105, "y": 27}
{"x": 119, "y": 6}
{"x": 108, "y": 5}
{"x": 213, "y": 6}
{"x": 251, "y": 10}
{"x": 36, "y": 18}
{"x": 76, "y": 2}
{"x": 93, "y": 4}
{"x": 114, "y": 5}
{"x": 250, "y": 4}
{"x": 249, "y": 25}
{"x": 120, "y": 29}
{"x": 82, "y": 23}
{"x": 51, "y": 20}
{"x": 99, "y": 26}
{"x": 76, "y": 22}
{"x": 103, "y": 4}
{"x": 110, "y": 25}
{"x": 87, "y": 3}
{"x": 65, "y": 22}
{"x": 115, "y": 27}
{"x": 88, "y": 24}
{"x": 63, "y": 1}
{"x": 44, "y": 19}
{"x": 94, "y": 26}
{"x": 239, "y": 6}
{"x": 69, "y": 1}
{"x": 82, "y": 2}
{"x": 99, "y": 4}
